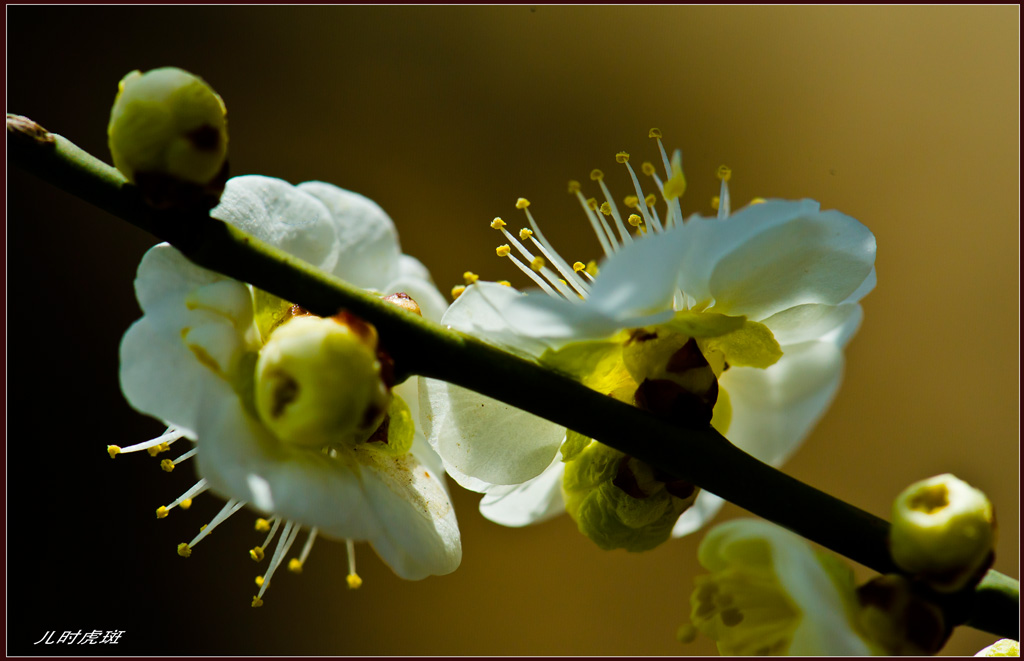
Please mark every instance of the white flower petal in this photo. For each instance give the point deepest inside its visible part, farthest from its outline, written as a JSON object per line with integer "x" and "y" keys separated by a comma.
{"x": 396, "y": 504}
{"x": 820, "y": 257}
{"x": 411, "y": 267}
{"x": 280, "y": 214}
{"x": 558, "y": 321}
{"x": 812, "y": 321}
{"x": 533, "y": 501}
{"x": 703, "y": 510}
{"x": 366, "y": 237}
{"x": 484, "y": 438}
{"x": 775, "y": 408}
{"x": 865, "y": 287}
{"x": 479, "y": 311}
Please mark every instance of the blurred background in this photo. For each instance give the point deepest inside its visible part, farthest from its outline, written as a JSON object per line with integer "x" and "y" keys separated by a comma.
{"x": 906, "y": 118}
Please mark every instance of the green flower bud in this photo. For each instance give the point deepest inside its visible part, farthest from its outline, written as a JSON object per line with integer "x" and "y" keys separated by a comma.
{"x": 168, "y": 135}
{"x": 1004, "y": 647}
{"x": 619, "y": 502}
{"x": 943, "y": 530}
{"x": 318, "y": 382}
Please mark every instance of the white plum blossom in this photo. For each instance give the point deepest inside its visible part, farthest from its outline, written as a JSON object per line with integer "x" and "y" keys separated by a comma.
{"x": 191, "y": 361}
{"x": 759, "y": 305}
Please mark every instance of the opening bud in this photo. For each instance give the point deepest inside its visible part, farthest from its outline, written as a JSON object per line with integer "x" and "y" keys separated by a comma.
{"x": 319, "y": 382}
{"x": 943, "y": 530}
{"x": 168, "y": 136}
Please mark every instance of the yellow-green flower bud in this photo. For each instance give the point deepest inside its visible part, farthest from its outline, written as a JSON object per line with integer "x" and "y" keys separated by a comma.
{"x": 168, "y": 135}
{"x": 943, "y": 530}
{"x": 1004, "y": 647}
{"x": 619, "y": 502}
{"x": 318, "y": 382}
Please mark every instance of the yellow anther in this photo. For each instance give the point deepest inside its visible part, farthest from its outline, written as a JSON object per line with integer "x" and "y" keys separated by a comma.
{"x": 259, "y": 581}
{"x": 157, "y": 449}
{"x": 574, "y": 186}
{"x": 354, "y": 582}
{"x": 650, "y": 200}
{"x": 457, "y": 291}
{"x": 202, "y": 527}
{"x": 647, "y": 168}
{"x": 592, "y": 203}
{"x": 596, "y": 175}
{"x": 578, "y": 266}
{"x": 256, "y": 602}
{"x": 522, "y": 203}
{"x": 631, "y": 201}
{"x": 622, "y": 157}
{"x": 635, "y": 220}
{"x": 497, "y": 223}
{"x": 262, "y": 525}
{"x": 537, "y": 263}
{"x": 606, "y": 209}
{"x": 503, "y": 251}
{"x": 505, "y": 282}
{"x": 161, "y": 512}
{"x": 714, "y": 203}
{"x": 654, "y": 133}
{"x": 724, "y": 173}
{"x": 185, "y": 504}
{"x": 758, "y": 200}
{"x": 256, "y": 553}
{"x": 525, "y": 233}
{"x": 113, "y": 451}
{"x": 592, "y": 268}
{"x": 184, "y": 550}
{"x": 167, "y": 465}
{"x": 470, "y": 277}
{"x": 295, "y": 565}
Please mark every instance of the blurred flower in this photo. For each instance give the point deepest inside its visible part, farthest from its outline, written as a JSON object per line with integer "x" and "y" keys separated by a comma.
{"x": 256, "y": 384}
{"x": 943, "y": 531}
{"x": 1004, "y": 647}
{"x": 770, "y": 593}
{"x": 738, "y": 320}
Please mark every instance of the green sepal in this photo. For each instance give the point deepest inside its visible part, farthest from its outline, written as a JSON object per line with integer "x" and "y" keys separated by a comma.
{"x": 401, "y": 429}
{"x": 574, "y": 444}
{"x": 269, "y": 312}
{"x": 750, "y": 345}
{"x": 703, "y": 324}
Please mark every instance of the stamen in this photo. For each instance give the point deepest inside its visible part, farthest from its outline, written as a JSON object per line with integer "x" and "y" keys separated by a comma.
{"x": 546, "y": 249}
{"x": 623, "y": 232}
{"x": 167, "y": 465}
{"x": 457, "y": 291}
{"x": 596, "y": 224}
{"x": 295, "y": 564}
{"x": 535, "y": 265}
{"x": 724, "y": 173}
{"x": 291, "y": 531}
{"x": 186, "y": 456}
{"x": 353, "y": 580}
{"x": 262, "y": 525}
{"x": 229, "y": 508}
{"x": 505, "y": 283}
{"x": 198, "y": 488}
{"x": 169, "y": 436}
{"x": 470, "y": 277}
{"x": 640, "y": 194}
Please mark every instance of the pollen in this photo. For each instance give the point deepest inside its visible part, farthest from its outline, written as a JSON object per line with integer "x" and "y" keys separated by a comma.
{"x": 525, "y": 233}
{"x": 185, "y": 504}
{"x": 715, "y": 201}
{"x": 256, "y": 602}
{"x": 606, "y": 208}
{"x": 631, "y": 201}
{"x": 592, "y": 203}
{"x": 537, "y": 263}
{"x": 758, "y": 200}
{"x": 596, "y": 175}
{"x": 650, "y": 200}
{"x": 724, "y": 172}
{"x": 647, "y": 168}
{"x": 622, "y": 157}
{"x": 574, "y": 186}
{"x": 592, "y": 267}
{"x": 470, "y": 277}
{"x": 259, "y": 581}
{"x": 167, "y": 465}
{"x": 184, "y": 550}
{"x": 113, "y": 450}
{"x": 635, "y": 220}
{"x": 654, "y": 133}
{"x": 161, "y": 512}
{"x": 354, "y": 582}
{"x": 295, "y": 566}
{"x": 505, "y": 282}
{"x": 522, "y": 203}
{"x": 262, "y": 525}
{"x": 503, "y": 251}
{"x": 256, "y": 553}
{"x": 497, "y": 223}
{"x": 579, "y": 266}
{"x": 457, "y": 291}
{"x": 157, "y": 449}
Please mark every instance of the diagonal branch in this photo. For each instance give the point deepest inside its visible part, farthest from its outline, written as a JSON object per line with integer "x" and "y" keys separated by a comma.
{"x": 701, "y": 456}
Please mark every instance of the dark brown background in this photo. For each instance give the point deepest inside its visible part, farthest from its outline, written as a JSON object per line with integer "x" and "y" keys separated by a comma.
{"x": 906, "y": 118}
